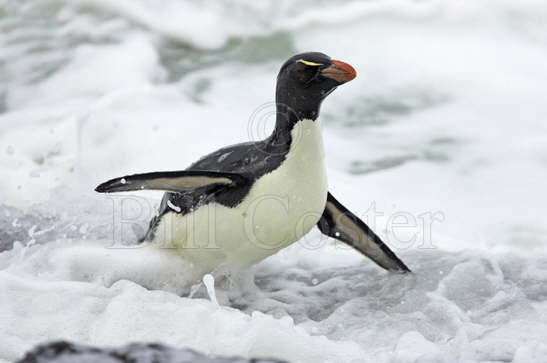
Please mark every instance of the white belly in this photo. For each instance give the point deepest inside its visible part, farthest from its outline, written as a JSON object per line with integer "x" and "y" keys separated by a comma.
{"x": 281, "y": 207}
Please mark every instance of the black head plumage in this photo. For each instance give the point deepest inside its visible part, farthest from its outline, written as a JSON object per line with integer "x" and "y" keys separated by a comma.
{"x": 304, "y": 81}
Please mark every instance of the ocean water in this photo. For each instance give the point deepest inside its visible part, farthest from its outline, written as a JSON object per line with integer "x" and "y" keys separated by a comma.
{"x": 440, "y": 143}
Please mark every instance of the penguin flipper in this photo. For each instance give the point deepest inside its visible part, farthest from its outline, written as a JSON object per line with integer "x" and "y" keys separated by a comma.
{"x": 339, "y": 223}
{"x": 171, "y": 181}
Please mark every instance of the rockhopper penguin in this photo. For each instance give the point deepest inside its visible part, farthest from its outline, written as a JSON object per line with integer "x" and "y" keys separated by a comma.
{"x": 243, "y": 203}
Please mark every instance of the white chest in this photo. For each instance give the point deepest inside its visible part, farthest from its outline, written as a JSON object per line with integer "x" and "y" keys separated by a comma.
{"x": 281, "y": 207}
{"x": 293, "y": 195}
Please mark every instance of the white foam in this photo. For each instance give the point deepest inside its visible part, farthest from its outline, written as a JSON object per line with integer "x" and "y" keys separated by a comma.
{"x": 209, "y": 282}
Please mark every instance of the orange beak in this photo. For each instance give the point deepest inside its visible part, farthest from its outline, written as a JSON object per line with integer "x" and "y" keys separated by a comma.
{"x": 339, "y": 71}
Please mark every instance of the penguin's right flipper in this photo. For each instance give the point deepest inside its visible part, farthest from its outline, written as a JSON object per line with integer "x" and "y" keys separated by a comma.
{"x": 172, "y": 181}
{"x": 340, "y": 223}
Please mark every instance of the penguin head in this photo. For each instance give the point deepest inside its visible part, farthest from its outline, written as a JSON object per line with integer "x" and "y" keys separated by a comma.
{"x": 306, "y": 79}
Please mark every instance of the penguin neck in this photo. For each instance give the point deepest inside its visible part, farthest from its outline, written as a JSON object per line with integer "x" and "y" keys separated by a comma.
{"x": 290, "y": 110}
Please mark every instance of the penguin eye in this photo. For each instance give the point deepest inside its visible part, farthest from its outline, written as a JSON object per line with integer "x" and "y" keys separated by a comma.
{"x": 306, "y": 74}
{"x": 301, "y": 75}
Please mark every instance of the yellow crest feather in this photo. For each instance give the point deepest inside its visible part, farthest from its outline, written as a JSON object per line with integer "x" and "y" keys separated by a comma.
{"x": 308, "y": 63}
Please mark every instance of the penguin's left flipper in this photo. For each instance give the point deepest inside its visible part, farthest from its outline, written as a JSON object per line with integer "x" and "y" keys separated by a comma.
{"x": 341, "y": 224}
{"x": 172, "y": 181}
